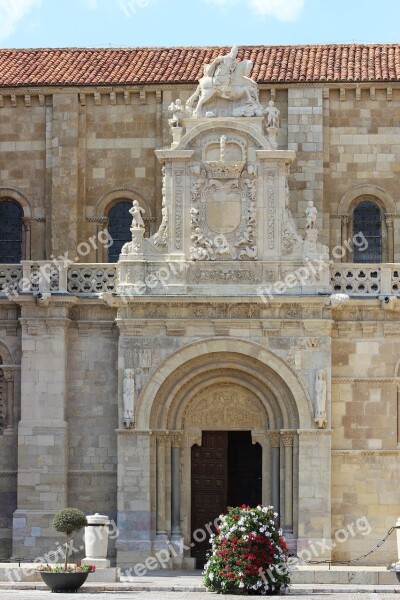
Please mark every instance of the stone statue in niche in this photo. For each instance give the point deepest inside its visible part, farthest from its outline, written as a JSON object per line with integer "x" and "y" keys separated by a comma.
{"x": 136, "y": 211}
{"x": 128, "y": 396}
{"x": 320, "y": 399}
{"x": 272, "y": 115}
{"x": 311, "y": 216}
{"x": 227, "y": 79}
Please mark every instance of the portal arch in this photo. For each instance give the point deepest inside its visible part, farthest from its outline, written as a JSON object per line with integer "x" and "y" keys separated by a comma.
{"x": 193, "y": 367}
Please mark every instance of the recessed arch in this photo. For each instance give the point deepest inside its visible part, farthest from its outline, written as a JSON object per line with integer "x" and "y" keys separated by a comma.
{"x": 223, "y": 125}
{"x": 9, "y": 193}
{"x": 6, "y": 356}
{"x": 359, "y": 192}
{"x": 117, "y": 194}
{"x": 181, "y": 375}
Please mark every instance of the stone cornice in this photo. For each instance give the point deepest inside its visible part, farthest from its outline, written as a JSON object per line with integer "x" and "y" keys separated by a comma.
{"x": 366, "y": 452}
{"x": 366, "y": 380}
{"x": 92, "y": 473}
{"x": 48, "y": 90}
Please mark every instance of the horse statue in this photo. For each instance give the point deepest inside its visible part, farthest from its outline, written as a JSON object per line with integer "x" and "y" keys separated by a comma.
{"x": 228, "y": 79}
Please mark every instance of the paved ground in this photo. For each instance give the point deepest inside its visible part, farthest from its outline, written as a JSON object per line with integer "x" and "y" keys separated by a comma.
{"x": 44, "y": 595}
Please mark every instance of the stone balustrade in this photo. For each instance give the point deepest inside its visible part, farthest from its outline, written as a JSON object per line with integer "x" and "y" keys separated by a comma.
{"x": 81, "y": 279}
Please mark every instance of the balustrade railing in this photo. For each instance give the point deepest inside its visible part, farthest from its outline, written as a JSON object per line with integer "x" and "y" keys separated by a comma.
{"x": 10, "y": 276}
{"x": 366, "y": 279}
{"x": 92, "y": 279}
{"x": 83, "y": 279}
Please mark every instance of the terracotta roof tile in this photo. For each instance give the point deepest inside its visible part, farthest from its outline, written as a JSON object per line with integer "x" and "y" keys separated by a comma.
{"x": 272, "y": 64}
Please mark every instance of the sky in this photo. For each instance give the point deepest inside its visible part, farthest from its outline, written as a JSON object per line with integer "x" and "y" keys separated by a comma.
{"x": 116, "y": 23}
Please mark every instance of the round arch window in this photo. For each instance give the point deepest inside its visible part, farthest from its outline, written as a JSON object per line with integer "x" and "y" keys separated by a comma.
{"x": 119, "y": 223}
{"x": 10, "y": 232}
{"x": 367, "y": 220}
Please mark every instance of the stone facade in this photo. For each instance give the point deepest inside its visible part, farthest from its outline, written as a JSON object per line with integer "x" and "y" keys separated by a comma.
{"x": 194, "y": 317}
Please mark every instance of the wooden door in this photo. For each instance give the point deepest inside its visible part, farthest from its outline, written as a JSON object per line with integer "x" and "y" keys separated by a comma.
{"x": 209, "y": 486}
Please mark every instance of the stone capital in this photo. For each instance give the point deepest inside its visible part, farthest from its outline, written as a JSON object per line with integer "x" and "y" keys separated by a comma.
{"x": 274, "y": 438}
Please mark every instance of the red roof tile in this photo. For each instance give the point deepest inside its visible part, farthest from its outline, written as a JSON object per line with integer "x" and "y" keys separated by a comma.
{"x": 272, "y": 64}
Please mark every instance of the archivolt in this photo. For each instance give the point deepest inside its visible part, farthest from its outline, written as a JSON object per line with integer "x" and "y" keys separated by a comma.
{"x": 201, "y": 364}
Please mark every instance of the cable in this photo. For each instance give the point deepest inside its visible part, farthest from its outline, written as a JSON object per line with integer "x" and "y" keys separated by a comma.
{"x": 353, "y": 560}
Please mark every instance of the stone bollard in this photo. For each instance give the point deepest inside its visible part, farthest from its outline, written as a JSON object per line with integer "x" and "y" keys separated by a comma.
{"x": 96, "y": 541}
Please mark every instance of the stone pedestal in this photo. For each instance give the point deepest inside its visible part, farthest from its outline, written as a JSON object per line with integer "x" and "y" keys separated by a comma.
{"x": 272, "y": 133}
{"x": 96, "y": 541}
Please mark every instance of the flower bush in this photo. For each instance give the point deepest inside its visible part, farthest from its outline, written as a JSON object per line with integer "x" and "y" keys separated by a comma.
{"x": 70, "y": 568}
{"x": 248, "y": 554}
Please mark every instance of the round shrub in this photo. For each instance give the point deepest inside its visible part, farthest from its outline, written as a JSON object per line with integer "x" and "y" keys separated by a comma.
{"x": 69, "y": 520}
{"x": 248, "y": 554}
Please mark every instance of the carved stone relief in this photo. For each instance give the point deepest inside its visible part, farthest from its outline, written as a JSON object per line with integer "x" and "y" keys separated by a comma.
{"x": 223, "y": 209}
{"x": 225, "y": 405}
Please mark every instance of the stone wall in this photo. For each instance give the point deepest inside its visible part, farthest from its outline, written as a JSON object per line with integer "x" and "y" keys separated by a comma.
{"x": 365, "y": 424}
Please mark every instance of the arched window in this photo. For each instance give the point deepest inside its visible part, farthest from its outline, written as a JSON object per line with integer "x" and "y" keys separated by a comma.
{"x": 367, "y": 219}
{"x": 10, "y": 232}
{"x": 119, "y": 223}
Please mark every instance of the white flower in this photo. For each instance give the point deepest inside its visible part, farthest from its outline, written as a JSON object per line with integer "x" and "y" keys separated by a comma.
{"x": 211, "y": 576}
{"x": 241, "y": 584}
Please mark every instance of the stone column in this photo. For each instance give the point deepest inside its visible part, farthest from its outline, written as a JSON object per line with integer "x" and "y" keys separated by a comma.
{"x": 287, "y": 439}
{"x": 176, "y": 441}
{"x": 344, "y": 237}
{"x": 274, "y": 439}
{"x": 390, "y": 239}
{"x": 42, "y": 431}
{"x": 314, "y": 512}
{"x": 26, "y": 238}
{"x": 161, "y": 481}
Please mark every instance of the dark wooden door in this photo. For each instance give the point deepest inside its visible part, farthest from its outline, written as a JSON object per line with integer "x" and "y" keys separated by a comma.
{"x": 209, "y": 486}
{"x": 244, "y": 470}
{"x": 226, "y": 471}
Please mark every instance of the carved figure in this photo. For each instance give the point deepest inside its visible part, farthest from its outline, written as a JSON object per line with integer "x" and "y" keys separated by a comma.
{"x": 161, "y": 237}
{"x": 226, "y": 78}
{"x": 128, "y": 396}
{"x": 178, "y": 112}
{"x": 272, "y": 114}
{"x": 136, "y": 211}
{"x": 320, "y": 399}
{"x": 311, "y": 214}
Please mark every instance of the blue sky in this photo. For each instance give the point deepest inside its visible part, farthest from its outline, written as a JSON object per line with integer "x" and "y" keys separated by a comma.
{"x": 105, "y": 23}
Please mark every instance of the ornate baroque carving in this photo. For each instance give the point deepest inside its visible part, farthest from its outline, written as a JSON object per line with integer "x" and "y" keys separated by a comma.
{"x": 178, "y": 208}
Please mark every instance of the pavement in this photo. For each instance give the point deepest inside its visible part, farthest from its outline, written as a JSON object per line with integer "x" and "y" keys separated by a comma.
{"x": 121, "y": 595}
{"x": 361, "y": 583}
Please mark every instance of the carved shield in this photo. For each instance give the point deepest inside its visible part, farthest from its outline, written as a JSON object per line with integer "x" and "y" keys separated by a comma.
{"x": 223, "y": 205}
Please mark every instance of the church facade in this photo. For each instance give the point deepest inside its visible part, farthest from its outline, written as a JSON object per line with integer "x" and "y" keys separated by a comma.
{"x": 199, "y": 279}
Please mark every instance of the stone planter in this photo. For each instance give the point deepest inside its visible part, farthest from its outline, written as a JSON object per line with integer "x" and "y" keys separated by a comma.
{"x": 63, "y": 582}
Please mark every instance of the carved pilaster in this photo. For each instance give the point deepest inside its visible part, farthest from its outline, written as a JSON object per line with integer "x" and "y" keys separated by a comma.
{"x": 8, "y": 401}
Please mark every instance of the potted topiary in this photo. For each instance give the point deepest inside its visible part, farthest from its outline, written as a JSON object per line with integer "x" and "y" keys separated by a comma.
{"x": 66, "y": 578}
{"x": 248, "y": 554}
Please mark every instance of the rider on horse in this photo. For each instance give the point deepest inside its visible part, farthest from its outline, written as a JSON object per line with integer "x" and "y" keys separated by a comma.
{"x": 222, "y": 70}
